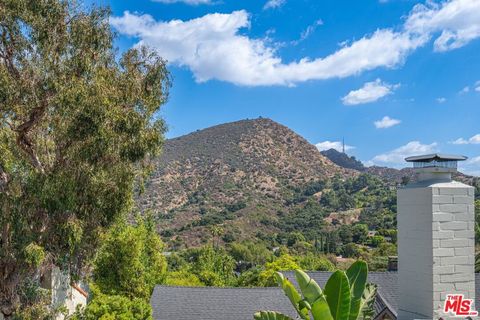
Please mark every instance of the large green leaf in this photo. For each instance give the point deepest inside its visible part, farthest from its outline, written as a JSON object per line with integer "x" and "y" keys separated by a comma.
{"x": 270, "y": 315}
{"x": 337, "y": 291}
{"x": 367, "y": 301}
{"x": 314, "y": 296}
{"x": 293, "y": 295}
{"x": 357, "y": 278}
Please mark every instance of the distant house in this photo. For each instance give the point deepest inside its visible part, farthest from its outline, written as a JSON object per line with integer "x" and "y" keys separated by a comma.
{"x": 63, "y": 291}
{"x": 209, "y": 303}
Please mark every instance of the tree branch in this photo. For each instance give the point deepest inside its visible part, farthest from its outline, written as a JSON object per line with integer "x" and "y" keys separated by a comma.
{"x": 4, "y": 179}
{"x": 24, "y": 141}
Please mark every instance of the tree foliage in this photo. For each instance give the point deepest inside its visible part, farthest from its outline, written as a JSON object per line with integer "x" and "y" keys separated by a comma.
{"x": 184, "y": 278}
{"x": 114, "y": 307}
{"x": 284, "y": 262}
{"x": 130, "y": 262}
{"x": 214, "y": 267}
{"x": 76, "y": 125}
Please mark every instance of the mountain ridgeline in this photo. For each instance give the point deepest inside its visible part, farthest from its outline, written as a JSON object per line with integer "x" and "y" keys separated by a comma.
{"x": 391, "y": 175}
{"x": 258, "y": 180}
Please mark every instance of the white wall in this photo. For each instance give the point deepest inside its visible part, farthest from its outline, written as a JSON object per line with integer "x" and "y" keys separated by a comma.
{"x": 415, "y": 254}
{"x": 435, "y": 246}
{"x": 63, "y": 294}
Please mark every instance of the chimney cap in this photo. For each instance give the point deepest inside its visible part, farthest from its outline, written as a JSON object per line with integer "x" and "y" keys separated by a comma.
{"x": 438, "y": 157}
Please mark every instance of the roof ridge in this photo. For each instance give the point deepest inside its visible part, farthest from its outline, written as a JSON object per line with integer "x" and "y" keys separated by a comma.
{"x": 213, "y": 287}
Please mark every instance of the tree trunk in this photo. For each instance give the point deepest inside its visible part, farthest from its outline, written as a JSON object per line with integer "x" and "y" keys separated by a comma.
{"x": 9, "y": 299}
{"x": 3, "y": 179}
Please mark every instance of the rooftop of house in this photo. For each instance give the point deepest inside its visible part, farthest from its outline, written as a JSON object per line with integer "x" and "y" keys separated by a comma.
{"x": 436, "y": 157}
{"x": 209, "y": 303}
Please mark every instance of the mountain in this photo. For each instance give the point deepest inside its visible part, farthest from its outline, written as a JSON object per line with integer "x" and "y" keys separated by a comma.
{"x": 242, "y": 175}
{"x": 391, "y": 175}
{"x": 259, "y": 180}
{"x": 343, "y": 160}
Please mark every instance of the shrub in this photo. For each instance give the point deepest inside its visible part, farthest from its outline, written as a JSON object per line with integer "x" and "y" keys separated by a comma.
{"x": 183, "y": 277}
{"x": 114, "y": 307}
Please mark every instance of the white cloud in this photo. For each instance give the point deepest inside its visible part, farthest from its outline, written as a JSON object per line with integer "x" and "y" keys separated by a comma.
{"x": 474, "y": 87}
{"x": 397, "y": 156}
{"x": 190, "y": 2}
{"x": 370, "y": 92}
{"x": 457, "y": 21}
{"x": 273, "y": 4}
{"x": 460, "y": 141}
{"x": 471, "y": 166}
{"x": 475, "y": 160}
{"x": 475, "y": 139}
{"x": 308, "y": 31}
{"x": 472, "y": 140}
{"x": 214, "y": 46}
{"x": 386, "y": 122}
{"x": 337, "y": 145}
{"x": 441, "y": 100}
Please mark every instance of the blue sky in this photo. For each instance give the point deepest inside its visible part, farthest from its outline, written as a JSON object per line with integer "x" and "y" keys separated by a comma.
{"x": 392, "y": 77}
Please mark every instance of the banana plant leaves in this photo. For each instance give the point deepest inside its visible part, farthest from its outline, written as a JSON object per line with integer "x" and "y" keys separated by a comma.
{"x": 293, "y": 295}
{"x": 314, "y": 296}
{"x": 337, "y": 291}
{"x": 347, "y": 296}
{"x": 367, "y": 301}
{"x": 357, "y": 277}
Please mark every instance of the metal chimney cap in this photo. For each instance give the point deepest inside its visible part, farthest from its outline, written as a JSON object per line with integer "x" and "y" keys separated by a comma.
{"x": 440, "y": 157}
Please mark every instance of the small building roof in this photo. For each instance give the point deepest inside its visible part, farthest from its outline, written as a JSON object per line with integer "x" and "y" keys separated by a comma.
{"x": 436, "y": 157}
{"x": 211, "y": 303}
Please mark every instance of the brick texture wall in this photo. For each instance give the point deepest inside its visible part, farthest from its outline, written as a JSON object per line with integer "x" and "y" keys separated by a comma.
{"x": 436, "y": 245}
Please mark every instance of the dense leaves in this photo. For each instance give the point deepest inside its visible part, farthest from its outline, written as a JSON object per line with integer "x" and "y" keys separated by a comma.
{"x": 346, "y": 296}
{"x": 115, "y": 307}
{"x": 128, "y": 266}
{"x": 76, "y": 125}
{"x": 131, "y": 261}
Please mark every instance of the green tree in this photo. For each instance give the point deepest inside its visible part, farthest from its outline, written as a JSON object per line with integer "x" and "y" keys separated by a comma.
{"x": 350, "y": 250}
{"x": 359, "y": 233}
{"x": 345, "y": 233}
{"x": 250, "y": 252}
{"x": 314, "y": 262}
{"x": 183, "y": 277}
{"x": 114, "y": 307}
{"x": 385, "y": 249}
{"x": 213, "y": 266}
{"x": 130, "y": 262}
{"x": 285, "y": 262}
{"x": 76, "y": 125}
{"x": 375, "y": 241}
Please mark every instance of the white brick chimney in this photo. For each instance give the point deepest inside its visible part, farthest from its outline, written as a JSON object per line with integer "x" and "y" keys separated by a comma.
{"x": 436, "y": 240}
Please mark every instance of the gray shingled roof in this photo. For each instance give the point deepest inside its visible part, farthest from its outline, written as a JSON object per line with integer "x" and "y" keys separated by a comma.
{"x": 208, "y": 303}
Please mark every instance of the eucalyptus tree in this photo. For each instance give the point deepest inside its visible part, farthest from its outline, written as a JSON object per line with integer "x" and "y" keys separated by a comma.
{"x": 78, "y": 123}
